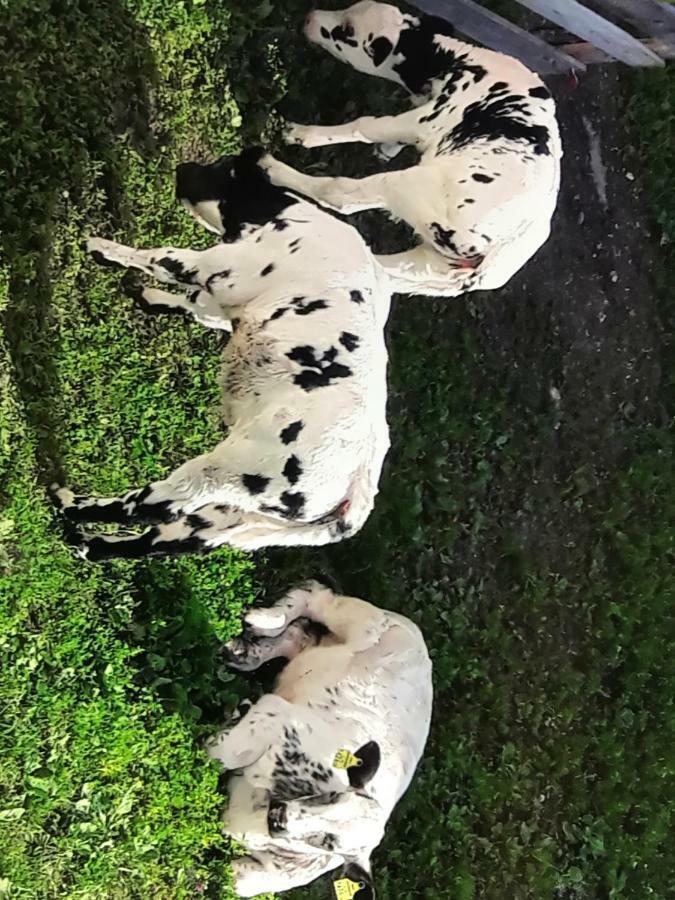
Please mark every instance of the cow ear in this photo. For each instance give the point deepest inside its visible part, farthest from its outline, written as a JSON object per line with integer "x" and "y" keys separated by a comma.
{"x": 370, "y": 757}
{"x": 380, "y": 50}
{"x": 354, "y": 882}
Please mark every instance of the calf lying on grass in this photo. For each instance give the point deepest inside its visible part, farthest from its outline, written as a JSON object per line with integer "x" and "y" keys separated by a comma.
{"x": 364, "y": 687}
{"x": 304, "y": 374}
{"x": 482, "y": 196}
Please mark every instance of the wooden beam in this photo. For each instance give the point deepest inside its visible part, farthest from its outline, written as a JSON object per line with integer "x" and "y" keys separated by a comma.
{"x": 649, "y": 17}
{"x": 493, "y": 31}
{"x": 590, "y": 55}
{"x": 591, "y": 27}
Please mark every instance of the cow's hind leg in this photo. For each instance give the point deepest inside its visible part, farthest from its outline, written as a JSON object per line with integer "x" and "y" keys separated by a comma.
{"x": 151, "y": 504}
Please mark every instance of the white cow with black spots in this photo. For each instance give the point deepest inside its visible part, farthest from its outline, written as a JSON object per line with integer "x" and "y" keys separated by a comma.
{"x": 483, "y": 193}
{"x": 362, "y": 686}
{"x": 304, "y": 374}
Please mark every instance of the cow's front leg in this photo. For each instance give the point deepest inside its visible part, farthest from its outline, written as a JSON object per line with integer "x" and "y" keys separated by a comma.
{"x": 198, "y": 304}
{"x": 242, "y": 745}
{"x": 166, "y": 264}
{"x": 250, "y": 651}
{"x": 403, "y": 129}
{"x": 345, "y": 195}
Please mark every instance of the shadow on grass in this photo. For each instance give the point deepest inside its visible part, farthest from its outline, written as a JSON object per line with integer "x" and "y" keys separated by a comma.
{"x": 72, "y": 81}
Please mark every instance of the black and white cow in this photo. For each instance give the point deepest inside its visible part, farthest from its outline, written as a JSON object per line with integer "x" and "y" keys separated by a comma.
{"x": 304, "y": 374}
{"x": 482, "y": 196}
{"x": 364, "y": 687}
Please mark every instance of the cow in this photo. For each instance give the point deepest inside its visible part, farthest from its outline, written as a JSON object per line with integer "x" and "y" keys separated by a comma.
{"x": 317, "y": 766}
{"x": 481, "y": 198}
{"x": 304, "y": 374}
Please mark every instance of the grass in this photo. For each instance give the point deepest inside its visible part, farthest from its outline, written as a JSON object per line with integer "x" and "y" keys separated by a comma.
{"x": 550, "y": 769}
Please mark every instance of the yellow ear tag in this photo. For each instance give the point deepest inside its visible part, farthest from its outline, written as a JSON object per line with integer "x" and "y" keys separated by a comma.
{"x": 346, "y": 760}
{"x": 345, "y": 888}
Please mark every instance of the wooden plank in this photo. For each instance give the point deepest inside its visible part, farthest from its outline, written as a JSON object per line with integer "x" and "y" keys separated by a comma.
{"x": 649, "y": 17}
{"x": 590, "y": 55}
{"x": 497, "y": 33}
{"x": 591, "y": 27}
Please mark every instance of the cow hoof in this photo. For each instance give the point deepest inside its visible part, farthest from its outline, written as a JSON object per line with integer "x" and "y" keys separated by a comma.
{"x": 269, "y": 622}
{"x": 276, "y": 817}
{"x": 96, "y": 248}
{"x": 62, "y": 497}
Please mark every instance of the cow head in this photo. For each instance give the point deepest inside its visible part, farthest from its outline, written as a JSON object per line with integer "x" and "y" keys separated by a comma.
{"x": 379, "y": 39}
{"x": 230, "y": 194}
{"x": 347, "y": 822}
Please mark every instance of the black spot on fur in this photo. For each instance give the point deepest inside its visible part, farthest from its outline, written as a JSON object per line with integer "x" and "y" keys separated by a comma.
{"x": 295, "y": 774}
{"x": 424, "y": 60}
{"x": 244, "y": 193}
{"x": 380, "y": 49}
{"x": 215, "y": 277}
{"x": 443, "y": 237}
{"x": 344, "y": 34}
{"x": 136, "y": 292}
{"x": 146, "y": 544}
{"x": 178, "y": 270}
{"x": 267, "y": 270}
{"x": 483, "y": 179}
{"x": 317, "y": 371}
{"x": 325, "y": 33}
{"x": 306, "y": 307}
{"x": 290, "y": 433}
{"x": 305, "y": 355}
{"x": 280, "y": 224}
{"x": 255, "y": 484}
{"x": 356, "y": 297}
{"x": 292, "y": 470}
{"x": 496, "y": 119}
{"x": 541, "y": 93}
{"x": 278, "y": 313}
{"x": 294, "y": 503}
{"x": 349, "y": 341}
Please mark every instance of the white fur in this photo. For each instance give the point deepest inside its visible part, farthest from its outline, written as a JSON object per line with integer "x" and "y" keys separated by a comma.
{"x": 368, "y": 680}
{"x": 509, "y": 218}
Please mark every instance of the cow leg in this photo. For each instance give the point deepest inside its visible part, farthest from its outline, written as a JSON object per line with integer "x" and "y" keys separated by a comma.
{"x": 267, "y": 873}
{"x": 244, "y": 744}
{"x": 219, "y": 478}
{"x": 345, "y": 195}
{"x": 403, "y": 129}
{"x": 348, "y": 618}
{"x": 199, "y": 305}
{"x": 249, "y": 652}
{"x": 423, "y": 271}
{"x": 166, "y": 264}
